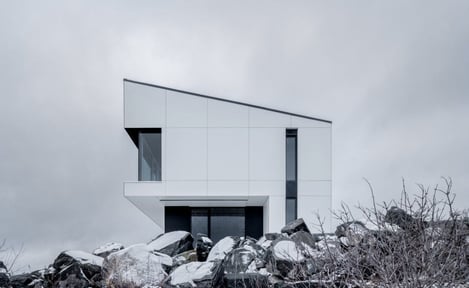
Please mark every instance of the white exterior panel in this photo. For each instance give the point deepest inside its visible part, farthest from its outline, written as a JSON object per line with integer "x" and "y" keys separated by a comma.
{"x": 228, "y": 188}
{"x": 144, "y": 106}
{"x": 266, "y": 154}
{"x": 185, "y": 110}
{"x": 186, "y": 154}
{"x": 224, "y": 114}
{"x": 227, "y": 154}
{"x": 314, "y": 154}
{"x": 265, "y": 118}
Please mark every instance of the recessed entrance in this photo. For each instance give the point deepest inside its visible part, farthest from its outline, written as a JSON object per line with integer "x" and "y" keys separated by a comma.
{"x": 216, "y": 222}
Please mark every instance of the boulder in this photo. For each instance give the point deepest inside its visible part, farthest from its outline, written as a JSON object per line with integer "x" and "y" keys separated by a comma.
{"x": 196, "y": 274}
{"x": 351, "y": 233}
{"x": 399, "y": 217}
{"x": 107, "y": 249}
{"x": 135, "y": 266}
{"x": 284, "y": 257}
{"x": 239, "y": 260}
{"x": 305, "y": 240}
{"x": 295, "y": 226}
{"x": 172, "y": 243}
{"x": 77, "y": 269}
{"x": 223, "y": 247}
{"x": 203, "y": 246}
{"x": 4, "y": 275}
{"x": 32, "y": 280}
{"x": 236, "y": 280}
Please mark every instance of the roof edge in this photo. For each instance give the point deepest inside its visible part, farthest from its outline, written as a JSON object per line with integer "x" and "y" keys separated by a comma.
{"x": 227, "y": 100}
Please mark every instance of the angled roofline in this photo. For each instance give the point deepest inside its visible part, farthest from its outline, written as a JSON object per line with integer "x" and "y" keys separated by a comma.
{"x": 227, "y": 100}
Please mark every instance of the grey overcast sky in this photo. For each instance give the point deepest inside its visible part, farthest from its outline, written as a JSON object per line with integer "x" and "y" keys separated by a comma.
{"x": 393, "y": 76}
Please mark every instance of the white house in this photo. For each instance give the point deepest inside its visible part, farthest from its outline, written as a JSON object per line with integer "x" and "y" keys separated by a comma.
{"x": 222, "y": 167}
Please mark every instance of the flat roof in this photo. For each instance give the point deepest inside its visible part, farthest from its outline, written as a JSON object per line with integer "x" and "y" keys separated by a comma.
{"x": 226, "y": 100}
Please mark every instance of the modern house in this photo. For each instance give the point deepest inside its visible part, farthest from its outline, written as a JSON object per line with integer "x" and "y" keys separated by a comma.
{"x": 222, "y": 167}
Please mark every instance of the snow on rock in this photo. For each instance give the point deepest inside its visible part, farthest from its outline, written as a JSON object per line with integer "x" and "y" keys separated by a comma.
{"x": 107, "y": 249}
{"x": 85, "y": 257}
{"x": 287, "y": 250}
{"x": 136, "y": 265}
{"x": 172, "y": 243}
{"x": 223, "y": 247}
{"x": 75, "y": 268}
{"x": 295, "y": 226}
{"x": 195, "y": 272}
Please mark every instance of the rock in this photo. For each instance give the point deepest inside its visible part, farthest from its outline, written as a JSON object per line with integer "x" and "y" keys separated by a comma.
{"x": 351, "y": 233}
{"x": 272, "y": 236}
{"x": 32, "y": 280}
{"x": 295, "y": 226}
{"x": 223, "y": 247}
{"x": 196, "y": 274}
{"x": 203, "y": 246}
{"x": 284, "y": 257}
{"x": 107, "y": 249}
{"x": 184, "y": 258}
{"x": 77, "y": 269}
{"x": 4, "y": 275}
{"x": 399, "y": 217}
{"x": 136, "y": 265}
{"x": 239, "y": 260}
{"x": 236, "y": 280}
{"x": 172, "y": 243}
{"x": 305, "y": 240}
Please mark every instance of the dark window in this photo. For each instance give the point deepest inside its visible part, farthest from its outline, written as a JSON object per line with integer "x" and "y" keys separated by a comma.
{"x": 200, "y": 221}
{"x": 149, "y": 156}
{"x": 291, "y": 175}
{"x": 226, "y": 221}
{"x": 216, "y": 222}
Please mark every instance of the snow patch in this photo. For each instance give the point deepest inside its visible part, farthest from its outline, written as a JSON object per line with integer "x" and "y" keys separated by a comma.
{"x": 85, "y": 258}
{"x": 222, "y": 248}
{"x": 190, "y": 272}
{"x": 287, "y": 250}
{"x": 167, "y": 239}
{"x": 109, "y": 247}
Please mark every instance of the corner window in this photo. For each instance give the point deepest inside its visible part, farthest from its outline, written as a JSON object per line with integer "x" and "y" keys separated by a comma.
{"x": 149, "y": 156}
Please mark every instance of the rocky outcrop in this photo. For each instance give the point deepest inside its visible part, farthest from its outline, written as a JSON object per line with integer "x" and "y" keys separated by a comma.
{"x": 172, "y": 243}
{"x": 295, "y": 226}
{"x": 77, "y": 269}
{"x": 196, "y": 274}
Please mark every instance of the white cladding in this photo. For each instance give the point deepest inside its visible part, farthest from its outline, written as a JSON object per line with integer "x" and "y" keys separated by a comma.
{"x": 214, "y": 148}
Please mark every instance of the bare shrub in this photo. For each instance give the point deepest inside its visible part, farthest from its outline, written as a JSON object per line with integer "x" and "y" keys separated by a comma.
{"x": 418, "y": 241}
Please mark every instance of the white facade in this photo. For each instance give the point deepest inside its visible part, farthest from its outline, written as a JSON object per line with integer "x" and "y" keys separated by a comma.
{"x": 224, "y": 153}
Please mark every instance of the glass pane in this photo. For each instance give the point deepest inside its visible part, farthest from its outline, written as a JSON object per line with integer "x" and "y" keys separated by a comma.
{"x": 199, "y": 221}
{"x": 291, "y": 210}
{"x": 291, "y": 159}
{"x": 150, "y": 156}
{"x": 226, "y": 222}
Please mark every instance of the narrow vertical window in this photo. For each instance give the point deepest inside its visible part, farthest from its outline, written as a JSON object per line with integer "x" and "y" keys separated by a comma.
{"x": 149, "y": 156}
{"x": 291, "y": 175}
